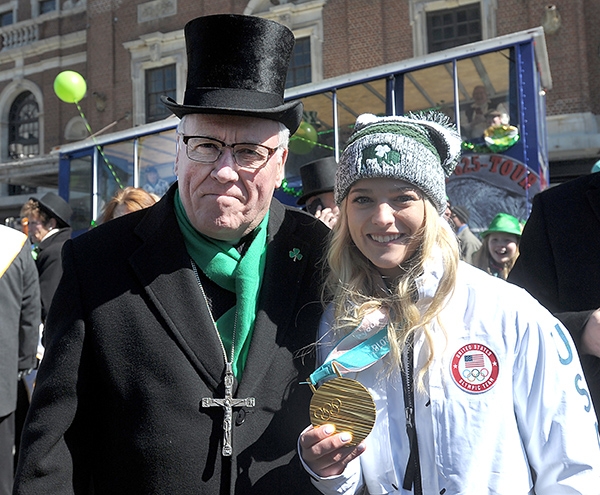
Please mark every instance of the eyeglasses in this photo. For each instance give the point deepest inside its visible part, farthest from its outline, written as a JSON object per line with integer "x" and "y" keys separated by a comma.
{"x": 208, "y": 150}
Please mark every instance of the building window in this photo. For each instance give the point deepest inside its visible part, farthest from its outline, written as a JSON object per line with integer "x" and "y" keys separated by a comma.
{"x": 23, "y": 127}
{"x": 6, "y": 18}
{"x": 453, "y": 27}
{"x": 46, "y": 6}
{"x": 300, "y": 70}
{"x": 17, "y": 190}
{"x": 160, "y": 81}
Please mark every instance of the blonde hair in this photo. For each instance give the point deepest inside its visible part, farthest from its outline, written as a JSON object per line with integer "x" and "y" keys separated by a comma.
{"x": 483, "y": 259}
{"x": 134, "y": 198}
{"x": 357, "y": 288}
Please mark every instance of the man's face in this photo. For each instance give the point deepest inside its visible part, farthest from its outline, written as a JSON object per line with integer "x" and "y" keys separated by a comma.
{"x": 480, "y": 95}
{"x": 38, "y": 229}
{"x": 221, "y": 199}
{"x": 152, "y": 177}
{"x": 455, "y": 220}
{"x": 325, "y": 200}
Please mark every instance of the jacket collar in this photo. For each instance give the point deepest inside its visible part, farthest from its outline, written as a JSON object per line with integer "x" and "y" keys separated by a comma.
{"x": 287, "y": 261}
{"x": 57, "y": 235}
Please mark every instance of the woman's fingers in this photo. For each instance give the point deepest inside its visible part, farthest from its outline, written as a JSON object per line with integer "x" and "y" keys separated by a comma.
{"x": 326, "y": 452}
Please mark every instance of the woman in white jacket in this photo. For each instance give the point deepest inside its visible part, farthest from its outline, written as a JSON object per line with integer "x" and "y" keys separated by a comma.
{"x": 477, "y": 388}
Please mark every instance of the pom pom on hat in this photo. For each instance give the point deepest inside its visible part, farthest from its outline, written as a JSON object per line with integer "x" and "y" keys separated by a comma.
{"x": 422, "y": 149}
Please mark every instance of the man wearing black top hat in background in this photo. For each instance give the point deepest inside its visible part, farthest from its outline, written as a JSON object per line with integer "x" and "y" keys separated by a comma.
{"x": 48, "y": 228}
{"x": 180, "y": 334}
{"x": 318, "y": 178}
{"x": 48, "y": 223}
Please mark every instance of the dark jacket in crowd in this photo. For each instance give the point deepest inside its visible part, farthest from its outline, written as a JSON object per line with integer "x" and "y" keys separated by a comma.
{"x": 48, "y": 262}
{"x": 19, "y": 317}
{"x": 559, "y": 262}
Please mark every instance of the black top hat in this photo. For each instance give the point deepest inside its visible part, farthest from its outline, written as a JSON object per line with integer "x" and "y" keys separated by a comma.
{"x": 237, "y": 65}
{"x": 56, "y": 207}
{"x": 317, "y": 177}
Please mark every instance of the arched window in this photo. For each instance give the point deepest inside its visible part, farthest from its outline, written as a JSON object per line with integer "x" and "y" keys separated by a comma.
{"x": 24, "y": 127}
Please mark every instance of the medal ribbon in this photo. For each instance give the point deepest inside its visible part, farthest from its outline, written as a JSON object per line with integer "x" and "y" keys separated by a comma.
{"x": 357, "y": 351}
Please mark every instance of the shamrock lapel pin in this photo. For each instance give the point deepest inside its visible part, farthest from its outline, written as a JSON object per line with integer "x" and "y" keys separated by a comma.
{"x": 295, "y": 254}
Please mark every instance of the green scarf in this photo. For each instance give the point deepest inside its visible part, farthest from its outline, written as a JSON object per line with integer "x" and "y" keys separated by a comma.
{"x": 224, "y": 265}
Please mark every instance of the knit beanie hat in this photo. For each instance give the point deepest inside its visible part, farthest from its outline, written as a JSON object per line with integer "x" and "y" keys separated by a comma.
{"x": 421, "y": 149}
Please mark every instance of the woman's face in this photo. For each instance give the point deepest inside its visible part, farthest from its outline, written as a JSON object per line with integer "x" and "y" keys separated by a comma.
{"x": 384, "y": 216}
{"x": 503, "y": 246}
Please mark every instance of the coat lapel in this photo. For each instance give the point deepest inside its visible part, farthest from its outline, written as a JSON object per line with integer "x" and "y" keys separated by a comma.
{"x": 287, "y": 260}
{"x": 164, "y": 270}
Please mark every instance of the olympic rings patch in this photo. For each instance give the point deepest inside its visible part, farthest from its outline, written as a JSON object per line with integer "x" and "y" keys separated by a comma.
{"x": 475, "y": 368}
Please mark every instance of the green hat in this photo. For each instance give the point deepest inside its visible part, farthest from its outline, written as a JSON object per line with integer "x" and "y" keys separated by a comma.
{"x": 503, "y": 222}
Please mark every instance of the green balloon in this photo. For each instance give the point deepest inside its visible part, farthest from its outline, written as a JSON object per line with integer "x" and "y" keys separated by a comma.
{"x": 304, "y": 139}
{"x": 70, "y": 86}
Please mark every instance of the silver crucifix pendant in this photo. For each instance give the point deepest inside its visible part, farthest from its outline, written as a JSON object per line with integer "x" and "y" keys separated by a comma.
{"x": 227, "y": 403}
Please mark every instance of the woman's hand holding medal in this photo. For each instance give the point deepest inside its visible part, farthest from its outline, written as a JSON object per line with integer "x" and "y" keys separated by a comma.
{"x": 342, "y": 410}
{"x": 327, "y": 452}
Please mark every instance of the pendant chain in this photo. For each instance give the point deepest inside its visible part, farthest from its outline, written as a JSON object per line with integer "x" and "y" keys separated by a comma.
{"x": 230, "y": 360}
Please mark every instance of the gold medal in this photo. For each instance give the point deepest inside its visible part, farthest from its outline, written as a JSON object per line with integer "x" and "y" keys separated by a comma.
{"x": 345, "y": 403}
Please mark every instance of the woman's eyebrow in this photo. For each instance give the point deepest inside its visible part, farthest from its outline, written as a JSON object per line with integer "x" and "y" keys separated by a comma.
{"x": 392, "y": 189}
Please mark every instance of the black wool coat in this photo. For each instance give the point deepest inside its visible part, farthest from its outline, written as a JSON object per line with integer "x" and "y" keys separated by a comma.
{"x": 132, "y": 350}
{"x": 49, "y": 266}
{"x": 559, "y": 262}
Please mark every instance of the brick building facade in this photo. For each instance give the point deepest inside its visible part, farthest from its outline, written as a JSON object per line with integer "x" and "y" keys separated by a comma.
{"x": 116, "y": 44}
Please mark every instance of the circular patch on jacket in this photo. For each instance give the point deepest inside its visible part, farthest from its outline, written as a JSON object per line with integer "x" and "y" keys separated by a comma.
{"x": 474, "y": 368}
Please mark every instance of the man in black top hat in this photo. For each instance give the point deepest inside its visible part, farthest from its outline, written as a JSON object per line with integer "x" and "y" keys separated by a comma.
{"x": 48, "y": 224}
{"x": 318, "y": 178}
{"x": 178, "y": 337}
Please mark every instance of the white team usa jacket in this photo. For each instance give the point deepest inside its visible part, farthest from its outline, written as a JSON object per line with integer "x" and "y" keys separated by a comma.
{"x": 505, "y": 408}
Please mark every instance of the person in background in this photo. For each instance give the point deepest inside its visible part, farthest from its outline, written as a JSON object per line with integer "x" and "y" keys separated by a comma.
{"x": 469, "y": 243}
{"x": 317, "y": 190}
{"x": 474, "y": 119}
{"x": 48, "y": 228}
{"x": 126, "y": 201}
{"x": 495, "y": 118}
{"x": 469, "y": 375}
{"x": 48, "y": 224}
{"x": 154, "y": 184}
{"x": 448, "y": 214}
{"x": 500, "y": 248}
{"x": 559, "y": 265}
{"x": 20, "y": 311}
{"x": 175, "y": 340}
